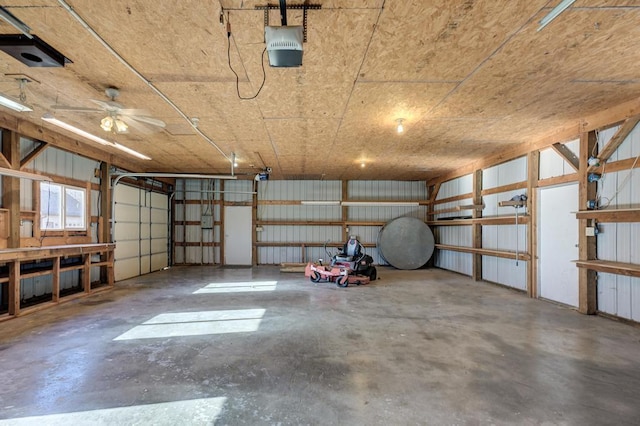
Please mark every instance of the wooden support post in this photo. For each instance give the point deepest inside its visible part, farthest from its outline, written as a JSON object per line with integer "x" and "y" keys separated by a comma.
{"x": 14, "y": 287}
{"x": 254, "y": 221}
{"x": 11, "y": 186}
{"x": 110, "y": 272}
{"x": 476, "y": 228}
{"x": 587, "y": 295}
{"x": 533, "y": 168}
{"x": 55, "y": 279}
{"x": 86, "y": 273}
{"x": 345, "y": 210}
{"x": 221, "y": 224}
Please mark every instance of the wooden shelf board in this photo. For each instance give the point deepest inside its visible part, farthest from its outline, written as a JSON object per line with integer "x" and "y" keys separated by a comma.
{"x": 618, "y": 268}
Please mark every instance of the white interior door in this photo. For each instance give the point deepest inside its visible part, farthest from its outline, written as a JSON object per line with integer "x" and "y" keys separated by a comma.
{"x": 237, "y": 235}
{"x": 558, "y": 244}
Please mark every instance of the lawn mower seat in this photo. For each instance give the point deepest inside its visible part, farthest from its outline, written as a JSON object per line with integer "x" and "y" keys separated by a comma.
{"x": 351, "y": 251}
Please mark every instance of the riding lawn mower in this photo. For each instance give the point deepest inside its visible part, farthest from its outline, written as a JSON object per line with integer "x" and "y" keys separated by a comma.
{"x": 350, "y": 266}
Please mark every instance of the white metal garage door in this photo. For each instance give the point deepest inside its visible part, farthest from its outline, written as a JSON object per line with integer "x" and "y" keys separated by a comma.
{"x": 140, "y": 233}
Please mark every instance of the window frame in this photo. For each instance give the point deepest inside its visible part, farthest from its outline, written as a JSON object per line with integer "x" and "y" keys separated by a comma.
{"x": 62, "y": 191}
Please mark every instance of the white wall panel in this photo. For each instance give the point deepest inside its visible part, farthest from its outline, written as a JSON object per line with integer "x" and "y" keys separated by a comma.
{"x": 551, "y": 164}
{"x": 386, "y": 190}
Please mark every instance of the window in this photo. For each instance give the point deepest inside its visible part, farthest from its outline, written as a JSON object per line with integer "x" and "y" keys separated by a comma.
{"x": 58, "y": 212}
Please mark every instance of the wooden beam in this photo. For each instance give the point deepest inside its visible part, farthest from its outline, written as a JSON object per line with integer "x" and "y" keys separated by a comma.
{"x": 433, "y": 193}
{"x": 587, "y": 302}
{"x": 567, "y": 155}
{"x": 505, "y": 188}
{"x": 557, "y": 180}
{"x": 493, "y": 220}
{"x": 616, "y": 166}
{"x": 533, "y": 173}
{"x": 33, "y": 154}
{"x": 616, "y": 140}
{"x": 344, "y": 212}
{"x": 618, "y": 268}
{"x": 11, "y": 186}
{"x": 4, "y": 162}
{"x": 454, "y": 198}
{"x": 485, "y": 252}
{"x": 84, "y": 148}
{"x": 476, "y": 228}
{"x": 611, "y": 215}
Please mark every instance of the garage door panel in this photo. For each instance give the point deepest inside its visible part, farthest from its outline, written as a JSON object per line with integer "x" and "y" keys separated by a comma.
{"x": 126, "y": 268}
{"x": 127, "y": 213}
{"x": 126, "y": 231}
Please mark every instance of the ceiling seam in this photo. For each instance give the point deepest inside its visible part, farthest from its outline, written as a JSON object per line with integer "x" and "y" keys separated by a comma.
{"x": 485, "y": 60}
{"x": 353, "y": 86}
{"x": 131, "y": 68}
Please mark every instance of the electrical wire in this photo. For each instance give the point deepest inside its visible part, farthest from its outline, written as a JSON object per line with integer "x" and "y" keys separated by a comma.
{"x": 624, "y": 182}
{"x": 264, "y": 73}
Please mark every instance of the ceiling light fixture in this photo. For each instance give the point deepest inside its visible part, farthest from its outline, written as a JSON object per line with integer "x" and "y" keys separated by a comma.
{"x": 117, "y": 125}
{"x": 14, "y": 105}
{"x": 51, "y": 119}
{"x": 400, "y": 127}
{"x": 564, "y": 4}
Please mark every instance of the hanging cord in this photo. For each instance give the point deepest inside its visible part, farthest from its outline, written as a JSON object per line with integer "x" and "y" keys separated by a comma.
{"x": 264, "y": 73}
{"x": 624, "y": 182}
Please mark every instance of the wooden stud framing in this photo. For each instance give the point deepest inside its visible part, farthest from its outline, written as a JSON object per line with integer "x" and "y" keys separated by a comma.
{"x": 616, "y": 140}
{"x": 11, "y": 186}
{"x": 567, "y": 155}
{"x": 33, "y": 154}
{"x": 533, "y": 169}
{"x": 586, "y": 245}
{"x": 476, "y": 228}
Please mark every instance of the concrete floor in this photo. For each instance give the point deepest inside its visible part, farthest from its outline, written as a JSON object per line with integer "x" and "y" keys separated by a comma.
{"x": 415, "y": 347}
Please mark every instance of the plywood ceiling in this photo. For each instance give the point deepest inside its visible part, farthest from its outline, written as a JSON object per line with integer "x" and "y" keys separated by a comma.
{"x": 471, "y": 78}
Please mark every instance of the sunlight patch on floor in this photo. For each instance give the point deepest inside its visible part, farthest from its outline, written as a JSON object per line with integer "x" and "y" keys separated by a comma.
{"x": 196, "y": 324}
{"x": 193, "y": 412}
{"x": 238, "y": 287}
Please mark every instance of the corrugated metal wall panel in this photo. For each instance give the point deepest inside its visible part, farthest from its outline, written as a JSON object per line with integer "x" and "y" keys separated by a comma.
{"x": 302, "y": 213}
{"x": 384, "y": 213}
{"x": 386, "y": 190}
{"x": 551, "y": 164}
{"x": 315, "y": 190}
{"x": 241, "y": 186}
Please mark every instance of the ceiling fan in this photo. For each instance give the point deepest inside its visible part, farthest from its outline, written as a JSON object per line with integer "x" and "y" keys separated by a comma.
{"x": 118, "y": 118}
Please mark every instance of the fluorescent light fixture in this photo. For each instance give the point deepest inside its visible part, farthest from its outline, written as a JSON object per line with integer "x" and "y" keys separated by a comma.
{"x": 380, "y": 203}
{"x": 51, "y": 119}
{"x": 15, "y": 22}
{"x": 238, "y": 287}
{"x": 182, "y": 324}
{"x": 131, "y": 151}
{"x": 14, "y": 105}
{"x": 23, "y": 175}
{"x": 320, "y": 203}
{"x": 208, "y": 410}
{"x": 564, "y": 4}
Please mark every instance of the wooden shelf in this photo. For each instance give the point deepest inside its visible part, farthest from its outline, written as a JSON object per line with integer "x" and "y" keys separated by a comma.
{"x": 485, "y": 252}
{"x": 618, "y": 268}
{"x": 55, "y": 256}
{"x": 610, "y": 215}
{"x": 495, "y": 220}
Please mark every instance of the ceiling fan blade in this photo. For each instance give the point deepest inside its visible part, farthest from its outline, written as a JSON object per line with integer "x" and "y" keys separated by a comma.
{"x": 74, "y": 108}
{"x": 131, "y": 112}
{"x": 134, "y": 124}
{"x": 148, "y": 120}
{"x": 107, "y": 105}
